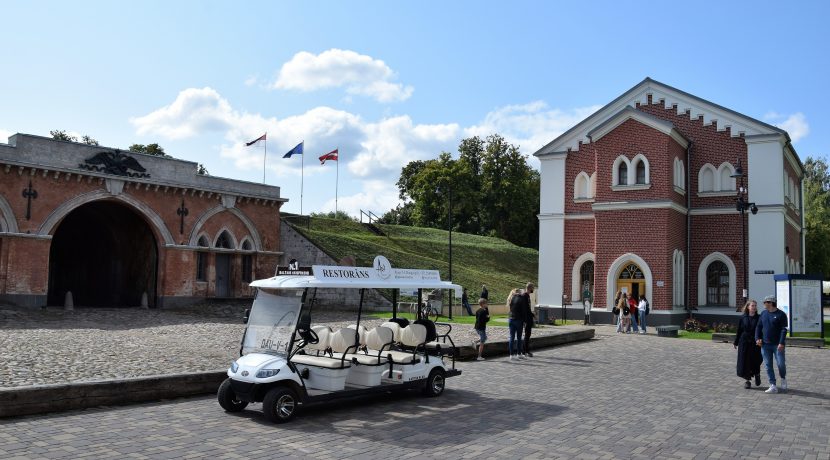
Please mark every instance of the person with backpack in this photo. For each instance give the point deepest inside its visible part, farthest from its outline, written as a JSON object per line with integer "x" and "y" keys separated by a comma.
{"x": 643, "y": 309}
{"x": 625, "y": 316}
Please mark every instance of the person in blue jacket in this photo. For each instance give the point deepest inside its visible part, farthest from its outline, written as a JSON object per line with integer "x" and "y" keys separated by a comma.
{"x": 770, "y": 335}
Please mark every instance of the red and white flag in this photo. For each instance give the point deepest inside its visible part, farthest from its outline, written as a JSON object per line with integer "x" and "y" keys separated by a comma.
{"x": 329, "y": 156}
{"x": 260, "y": 138}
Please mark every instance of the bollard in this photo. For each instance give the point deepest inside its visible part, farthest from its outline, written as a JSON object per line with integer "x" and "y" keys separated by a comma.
{"x": 68, "y": 303}
{"x": 144, "y": 300}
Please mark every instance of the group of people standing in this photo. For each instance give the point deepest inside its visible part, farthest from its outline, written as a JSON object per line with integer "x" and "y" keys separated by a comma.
{"x": 759, "y": 338}
{"x": 519, "y": 321}
{"x": 630, "y": 313}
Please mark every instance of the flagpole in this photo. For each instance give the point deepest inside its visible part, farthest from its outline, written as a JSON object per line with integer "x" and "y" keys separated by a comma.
{"x": 265, "y": 155}
{"x": 302, "y": 173}
{"x": 336, "y": 182}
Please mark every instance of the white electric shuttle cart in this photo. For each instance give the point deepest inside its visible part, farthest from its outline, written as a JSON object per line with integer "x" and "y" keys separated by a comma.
{"x": 287, "y": 360}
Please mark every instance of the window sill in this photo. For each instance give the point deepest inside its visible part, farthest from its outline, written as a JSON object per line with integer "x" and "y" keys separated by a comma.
{"x": 716, "y": 194}
{"x": 679, "y": 190}
{"x": 622, "y": 188}
{"x": 583, "y": 200}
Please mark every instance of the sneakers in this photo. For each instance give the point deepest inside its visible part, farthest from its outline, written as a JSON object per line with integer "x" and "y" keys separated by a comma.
{"x": 511, "y": 358}
{"x": 480, "y": 358}
{"x": 521, "y": 356}
{"x": 783, "y": 384}
{"x": 757, "y": 380}
{"x": 771, "y": 389}
{"x": 747, "y": 385}
{"x": 529, "y": 354}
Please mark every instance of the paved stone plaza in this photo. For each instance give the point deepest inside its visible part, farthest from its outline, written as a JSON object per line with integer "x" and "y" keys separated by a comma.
{"x": 617, "y": 396}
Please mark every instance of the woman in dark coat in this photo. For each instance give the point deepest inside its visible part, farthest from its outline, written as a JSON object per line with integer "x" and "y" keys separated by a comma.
{"x": 749, "y": 354}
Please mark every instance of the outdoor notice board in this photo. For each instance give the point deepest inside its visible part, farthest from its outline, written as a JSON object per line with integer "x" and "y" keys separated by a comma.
{"x": 799, "y": 296}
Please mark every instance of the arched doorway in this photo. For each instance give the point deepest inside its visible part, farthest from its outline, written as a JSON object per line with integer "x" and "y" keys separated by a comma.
{"x": 631, "y": 280}
{"x": 104, "y": 253}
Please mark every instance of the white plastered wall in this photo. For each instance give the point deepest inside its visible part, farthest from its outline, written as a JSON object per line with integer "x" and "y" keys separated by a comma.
{"x": 552, "y": 229}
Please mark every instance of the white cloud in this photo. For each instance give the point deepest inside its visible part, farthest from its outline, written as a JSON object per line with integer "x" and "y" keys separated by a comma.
{"x": 4, "y": 136}
{"x": 371, "y": 152}
{"x": 796, "y": 124}
{"x": 531, "y": 125}
{"x": 377, "y": 196}
{"x": 195, "y": 110}
{"x": 335, "y": 68}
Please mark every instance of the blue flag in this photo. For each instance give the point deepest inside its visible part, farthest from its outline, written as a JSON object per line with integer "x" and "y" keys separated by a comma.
{"x": 298, "y": 150}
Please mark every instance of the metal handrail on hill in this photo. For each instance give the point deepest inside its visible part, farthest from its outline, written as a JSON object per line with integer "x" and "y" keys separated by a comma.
{"x": 369, "y": 215}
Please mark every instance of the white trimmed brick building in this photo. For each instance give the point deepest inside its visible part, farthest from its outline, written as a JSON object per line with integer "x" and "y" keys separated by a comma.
{"x": 640, "y": 197}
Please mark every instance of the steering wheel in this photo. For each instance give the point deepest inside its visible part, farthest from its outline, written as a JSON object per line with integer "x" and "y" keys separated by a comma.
{"x": 308, "y": 335}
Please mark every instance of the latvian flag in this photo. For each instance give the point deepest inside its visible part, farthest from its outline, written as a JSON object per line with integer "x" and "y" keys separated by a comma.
{"x": 260, "y": 138}
{"x": 329, "y": 156}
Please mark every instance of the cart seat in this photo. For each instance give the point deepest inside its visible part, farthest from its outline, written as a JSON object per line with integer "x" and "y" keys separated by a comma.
{"x": 395, "y": 328}
{"x": 413, "y": 336}
{"x": 377, "y": 340}
{"x": 320, "y": 361}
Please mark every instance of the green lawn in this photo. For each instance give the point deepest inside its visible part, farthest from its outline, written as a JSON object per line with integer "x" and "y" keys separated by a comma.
{"x": 695, "y": 335}
{"x": 477, "y": 260}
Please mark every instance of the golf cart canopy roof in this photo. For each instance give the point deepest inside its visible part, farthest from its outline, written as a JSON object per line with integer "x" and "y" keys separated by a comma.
{"x": 380, "y": 276}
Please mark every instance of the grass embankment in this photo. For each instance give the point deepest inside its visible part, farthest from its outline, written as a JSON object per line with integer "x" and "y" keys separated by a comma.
{"x": 476, "y": 260}
{"x": 708, "y": 335}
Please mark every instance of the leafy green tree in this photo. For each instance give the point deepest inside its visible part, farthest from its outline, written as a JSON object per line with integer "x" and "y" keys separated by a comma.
{"x": 401, "y": 215}
{"x": 62, "y": 135}
{"x": 88, "y": 140}
{"x": 149, "y": 149}
{"x": 494, "y": 191}
{"x": 342, "y": 215}
{"x": 817, "y": 216}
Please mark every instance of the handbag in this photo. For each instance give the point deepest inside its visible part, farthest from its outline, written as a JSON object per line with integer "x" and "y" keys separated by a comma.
{"x": 615, "y": 311}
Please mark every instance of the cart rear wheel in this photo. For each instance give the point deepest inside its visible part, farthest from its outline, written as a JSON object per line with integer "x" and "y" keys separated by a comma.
{"x": 280, "y": 405}
{"x": 227, "y": 398}
{"x": 435, "y": 383}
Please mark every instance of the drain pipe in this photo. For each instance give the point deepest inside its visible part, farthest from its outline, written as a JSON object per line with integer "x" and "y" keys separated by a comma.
{"x": 686, "y": 275}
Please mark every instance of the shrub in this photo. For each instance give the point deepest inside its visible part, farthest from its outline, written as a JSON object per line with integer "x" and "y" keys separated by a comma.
{"x": 724, "y": 327}
{"x": 695, "y": 325}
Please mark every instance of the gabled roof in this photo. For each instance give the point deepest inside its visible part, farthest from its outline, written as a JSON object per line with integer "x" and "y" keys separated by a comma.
{"x": 630, "y": 113}
{"x": 669, "y": 97}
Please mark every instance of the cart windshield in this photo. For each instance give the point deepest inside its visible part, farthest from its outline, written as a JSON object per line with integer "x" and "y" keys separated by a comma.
{"x": 272, "y": 320}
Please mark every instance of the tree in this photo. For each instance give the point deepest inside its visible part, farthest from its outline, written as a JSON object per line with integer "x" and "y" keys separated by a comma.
{"x": 342, "y": 215}
{"x": 62, "y": 135}
{"x": 817, "y": 216}
{"x": 401, "y": 215}
{"x": 494, "y": 191}
{"x": 149, "y": 149}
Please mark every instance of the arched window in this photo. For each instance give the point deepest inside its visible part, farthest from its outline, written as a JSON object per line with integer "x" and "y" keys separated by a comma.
{"x": 641, "y": 172}
{"x": 726, "y": 182}
{"x": 201, "y": 259}
{"x": 707, "y": 179}
{"x": 678, "y": 279}
{"x": 717, "y": 284}
{"x": 679, "y": 174}
{"x": 586, "y": 278}
{"x": 247, "y": 263}
{"x": 224, "y": 241}
{"x": 582, "y": 186}
{"x": 622, "y": 174}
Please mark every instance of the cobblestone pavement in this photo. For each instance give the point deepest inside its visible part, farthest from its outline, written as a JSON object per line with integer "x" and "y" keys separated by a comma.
{"x": 616, "y": 396}
{"x": 44, "y": 346}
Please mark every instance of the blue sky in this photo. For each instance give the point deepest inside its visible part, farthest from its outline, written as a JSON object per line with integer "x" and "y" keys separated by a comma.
{"x": 389, "y": 82}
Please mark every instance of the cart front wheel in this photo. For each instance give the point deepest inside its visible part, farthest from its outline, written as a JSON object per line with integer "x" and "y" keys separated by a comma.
{"x": 280, "y": 405}
{"x": 435, "y": 383}
{"x": 227, "y": 398}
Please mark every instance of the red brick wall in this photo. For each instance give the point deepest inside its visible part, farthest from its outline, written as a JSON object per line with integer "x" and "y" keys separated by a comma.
{"x": 27, "y": 269}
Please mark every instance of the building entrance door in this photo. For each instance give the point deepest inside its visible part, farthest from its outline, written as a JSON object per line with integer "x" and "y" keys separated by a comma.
{"x": 631, "y": 281}
{"x": 223, "y": 269}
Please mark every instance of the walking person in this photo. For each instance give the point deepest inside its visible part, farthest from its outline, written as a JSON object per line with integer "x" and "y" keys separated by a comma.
{"x": 482, "y": 318}
{"x": 749, "y": 353}
{"x": 643, "y": 309}
{"x": 770, "y": 335}
{"x": 465, "y": 302}
{"x": 529, "y": 318}
{"x": 515, "y": 324}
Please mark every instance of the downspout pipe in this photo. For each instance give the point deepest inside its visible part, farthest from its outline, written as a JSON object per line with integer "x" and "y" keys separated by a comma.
{"x": 688, "y": 258}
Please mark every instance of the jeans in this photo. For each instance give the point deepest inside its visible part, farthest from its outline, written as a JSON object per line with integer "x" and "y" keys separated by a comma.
{"x": 642, "y": 314}
{"x": 767, "y": 350}
{"x": 634, "y": 323}
{"x": 515, "y": 328}
{"x": 466, "y": 306}
{"x": 526, "y": 339}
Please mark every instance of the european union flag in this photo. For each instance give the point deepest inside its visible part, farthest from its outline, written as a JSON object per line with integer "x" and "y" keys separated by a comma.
{"x": 298, "y": 150}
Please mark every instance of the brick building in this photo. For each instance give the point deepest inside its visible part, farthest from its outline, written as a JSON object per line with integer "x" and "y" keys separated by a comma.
{"x": 641, "y": 197}
{"x": 110, "y": 225}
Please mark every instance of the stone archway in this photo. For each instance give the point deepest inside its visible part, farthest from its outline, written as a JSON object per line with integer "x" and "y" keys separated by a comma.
{"x": 106, "y": 254}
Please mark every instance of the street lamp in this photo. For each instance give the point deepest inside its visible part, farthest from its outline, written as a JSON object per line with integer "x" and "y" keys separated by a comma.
{"x": 741, "y": 204}
{"x": 449, "y": 231}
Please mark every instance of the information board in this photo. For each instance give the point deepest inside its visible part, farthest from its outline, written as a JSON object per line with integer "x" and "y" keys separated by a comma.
{"x": 806, "y": 305}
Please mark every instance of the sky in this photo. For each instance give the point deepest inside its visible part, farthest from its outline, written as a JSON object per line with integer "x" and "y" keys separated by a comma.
{"x": 387, "y": 83}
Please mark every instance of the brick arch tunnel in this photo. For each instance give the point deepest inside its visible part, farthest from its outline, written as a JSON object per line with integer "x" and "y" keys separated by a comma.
{"x": 106, "y": 254}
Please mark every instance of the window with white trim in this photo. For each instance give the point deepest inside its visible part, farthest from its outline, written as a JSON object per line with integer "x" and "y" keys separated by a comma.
{"x": 679, "y": 174}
